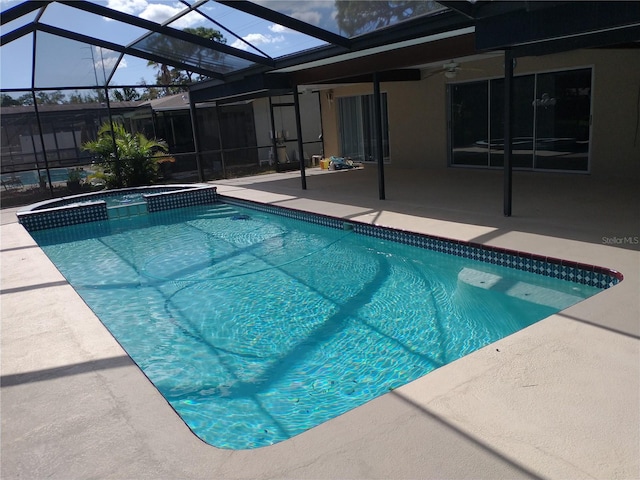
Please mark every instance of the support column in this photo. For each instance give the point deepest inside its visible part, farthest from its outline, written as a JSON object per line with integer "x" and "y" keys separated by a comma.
{"x": 38, "y": 121}
{"x": 116, "y": 155}
{"x": 221, "y": 144}
{"x": 508, "y": 147}
{"x": 195, "y": 130}
{"x": 296, "y": 105}
{"x": 44, "y": 148}
{"x": 378, "y": 125}
{"x": 272, "y": 136}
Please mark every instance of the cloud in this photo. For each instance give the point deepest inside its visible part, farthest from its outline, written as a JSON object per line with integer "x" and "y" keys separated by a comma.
{"x": 308, "y": 10}
{"x": 156, "y": 12}
{"x": 105, "y": 52}
{"x": 257, "y": 39}
{"x": 275, "y": 28}
{"x": 132, "y": 7}
{"x": 122, "y": 64}
{"x": 105, "y": 60}
{"x": 160, "y": 12}
{"x": 108, "y": 63}
{"x": 311, "y": 17}
{"x": 314, "y": 12}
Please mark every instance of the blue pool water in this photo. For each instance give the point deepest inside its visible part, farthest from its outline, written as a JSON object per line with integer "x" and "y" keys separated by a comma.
{"x": 113, "y": 200}
{"x": 257, "y": 327}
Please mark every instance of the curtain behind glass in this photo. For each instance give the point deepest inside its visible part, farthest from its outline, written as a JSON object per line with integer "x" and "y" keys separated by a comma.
{"x": 351, "y": 134}
{"x": 358, "y": 138}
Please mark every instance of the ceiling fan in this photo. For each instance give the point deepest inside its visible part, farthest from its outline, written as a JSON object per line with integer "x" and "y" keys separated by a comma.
{"x": 449, "y": 70}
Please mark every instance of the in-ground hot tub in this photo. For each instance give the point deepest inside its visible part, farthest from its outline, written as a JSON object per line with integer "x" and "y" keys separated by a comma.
{"x": 112, "y": 204}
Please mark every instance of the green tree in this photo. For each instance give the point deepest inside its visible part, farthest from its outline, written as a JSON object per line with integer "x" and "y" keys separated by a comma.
{"x": 197, "y": 51}
{"x": 53, "y": 98}
{"x": 79, "y": 97}
{"x": 167, "y": 75}
{"x": 26, "y": 99}
{"x": 9, "y": 101}
{"x": 127, "y": 94}
{"x": 136, "y": 163}
{"x": 150, "y": 93}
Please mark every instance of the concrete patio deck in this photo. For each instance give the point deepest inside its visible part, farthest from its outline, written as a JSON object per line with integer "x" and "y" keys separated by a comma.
{"x": 559, "y": 399}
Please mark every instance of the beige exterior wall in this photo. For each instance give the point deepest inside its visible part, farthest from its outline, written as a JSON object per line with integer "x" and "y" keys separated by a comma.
{"x": 417, "y": 110}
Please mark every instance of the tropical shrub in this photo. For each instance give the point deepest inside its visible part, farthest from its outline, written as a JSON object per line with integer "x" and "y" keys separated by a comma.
{"x": 136, "y": 163}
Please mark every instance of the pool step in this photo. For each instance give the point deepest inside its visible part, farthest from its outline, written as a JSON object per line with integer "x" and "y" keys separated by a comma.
{"x": 125, "y": 211}
{"x": 219, "y": 211}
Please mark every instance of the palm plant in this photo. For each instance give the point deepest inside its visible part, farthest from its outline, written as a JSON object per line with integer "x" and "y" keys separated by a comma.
{"x": 136, "y": 162}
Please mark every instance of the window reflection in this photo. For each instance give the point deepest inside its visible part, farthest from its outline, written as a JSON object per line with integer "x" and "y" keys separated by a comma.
{"x": 190, "y": 53}
{"x": 349, "y": 18}
{"x": 357, "y": 18}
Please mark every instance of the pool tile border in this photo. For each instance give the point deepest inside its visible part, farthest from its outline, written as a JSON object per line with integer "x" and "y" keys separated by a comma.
{"x": 585, "y": 274}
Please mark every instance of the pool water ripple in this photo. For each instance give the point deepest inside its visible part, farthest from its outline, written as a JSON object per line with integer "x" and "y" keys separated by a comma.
{"x": 258, "y": 328}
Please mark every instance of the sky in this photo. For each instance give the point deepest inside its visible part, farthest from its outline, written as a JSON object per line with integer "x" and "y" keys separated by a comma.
{"x": 81, "y": 64}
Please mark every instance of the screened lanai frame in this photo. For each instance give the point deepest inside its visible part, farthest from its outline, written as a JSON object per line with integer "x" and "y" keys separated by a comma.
{"x": 380, "y": 48}
{"x": 165, "y": 42}
{"x": 67, "y": 58}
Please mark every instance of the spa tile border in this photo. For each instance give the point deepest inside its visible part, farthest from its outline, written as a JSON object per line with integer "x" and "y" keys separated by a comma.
{"x": 63, "y": 216}
{"x": 581, "y": 273}
{"x": 100, "y": 195}
{"x": 67, "y": 211}
{"x": 158, "y": 202}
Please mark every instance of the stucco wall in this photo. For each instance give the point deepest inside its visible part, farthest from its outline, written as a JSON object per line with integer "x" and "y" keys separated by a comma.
{"x": 417, "y": 110}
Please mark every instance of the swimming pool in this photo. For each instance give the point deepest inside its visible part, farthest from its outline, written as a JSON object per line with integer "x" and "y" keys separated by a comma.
{"x": 256, "y": 327}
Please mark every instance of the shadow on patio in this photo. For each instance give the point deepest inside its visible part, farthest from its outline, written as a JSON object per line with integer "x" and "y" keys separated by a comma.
{"x": 573, "y": 207}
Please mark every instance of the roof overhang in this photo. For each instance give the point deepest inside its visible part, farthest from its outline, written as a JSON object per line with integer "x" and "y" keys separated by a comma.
{"x": 393, "y": 63}
{"x": 254, "y": 86}
{"x": 405, "y": 55}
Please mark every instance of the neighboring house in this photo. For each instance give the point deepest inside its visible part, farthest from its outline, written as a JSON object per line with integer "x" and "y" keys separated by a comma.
{"x": 231, "y": 136}
{"x": 65, "y": 128}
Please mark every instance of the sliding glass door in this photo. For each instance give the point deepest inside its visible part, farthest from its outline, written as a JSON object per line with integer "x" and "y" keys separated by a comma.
{"x": 522, "y": 127}
{"x": 469, "y": 114}
{"x": 358, "y": 139}
{"x": 562, "y": 120}
{"x": 551, "y": 117}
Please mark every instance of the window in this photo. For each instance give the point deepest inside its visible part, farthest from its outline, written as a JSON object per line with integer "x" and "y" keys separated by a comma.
{"x": 357, "y": 128}
{"x": 551, "y": 118}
